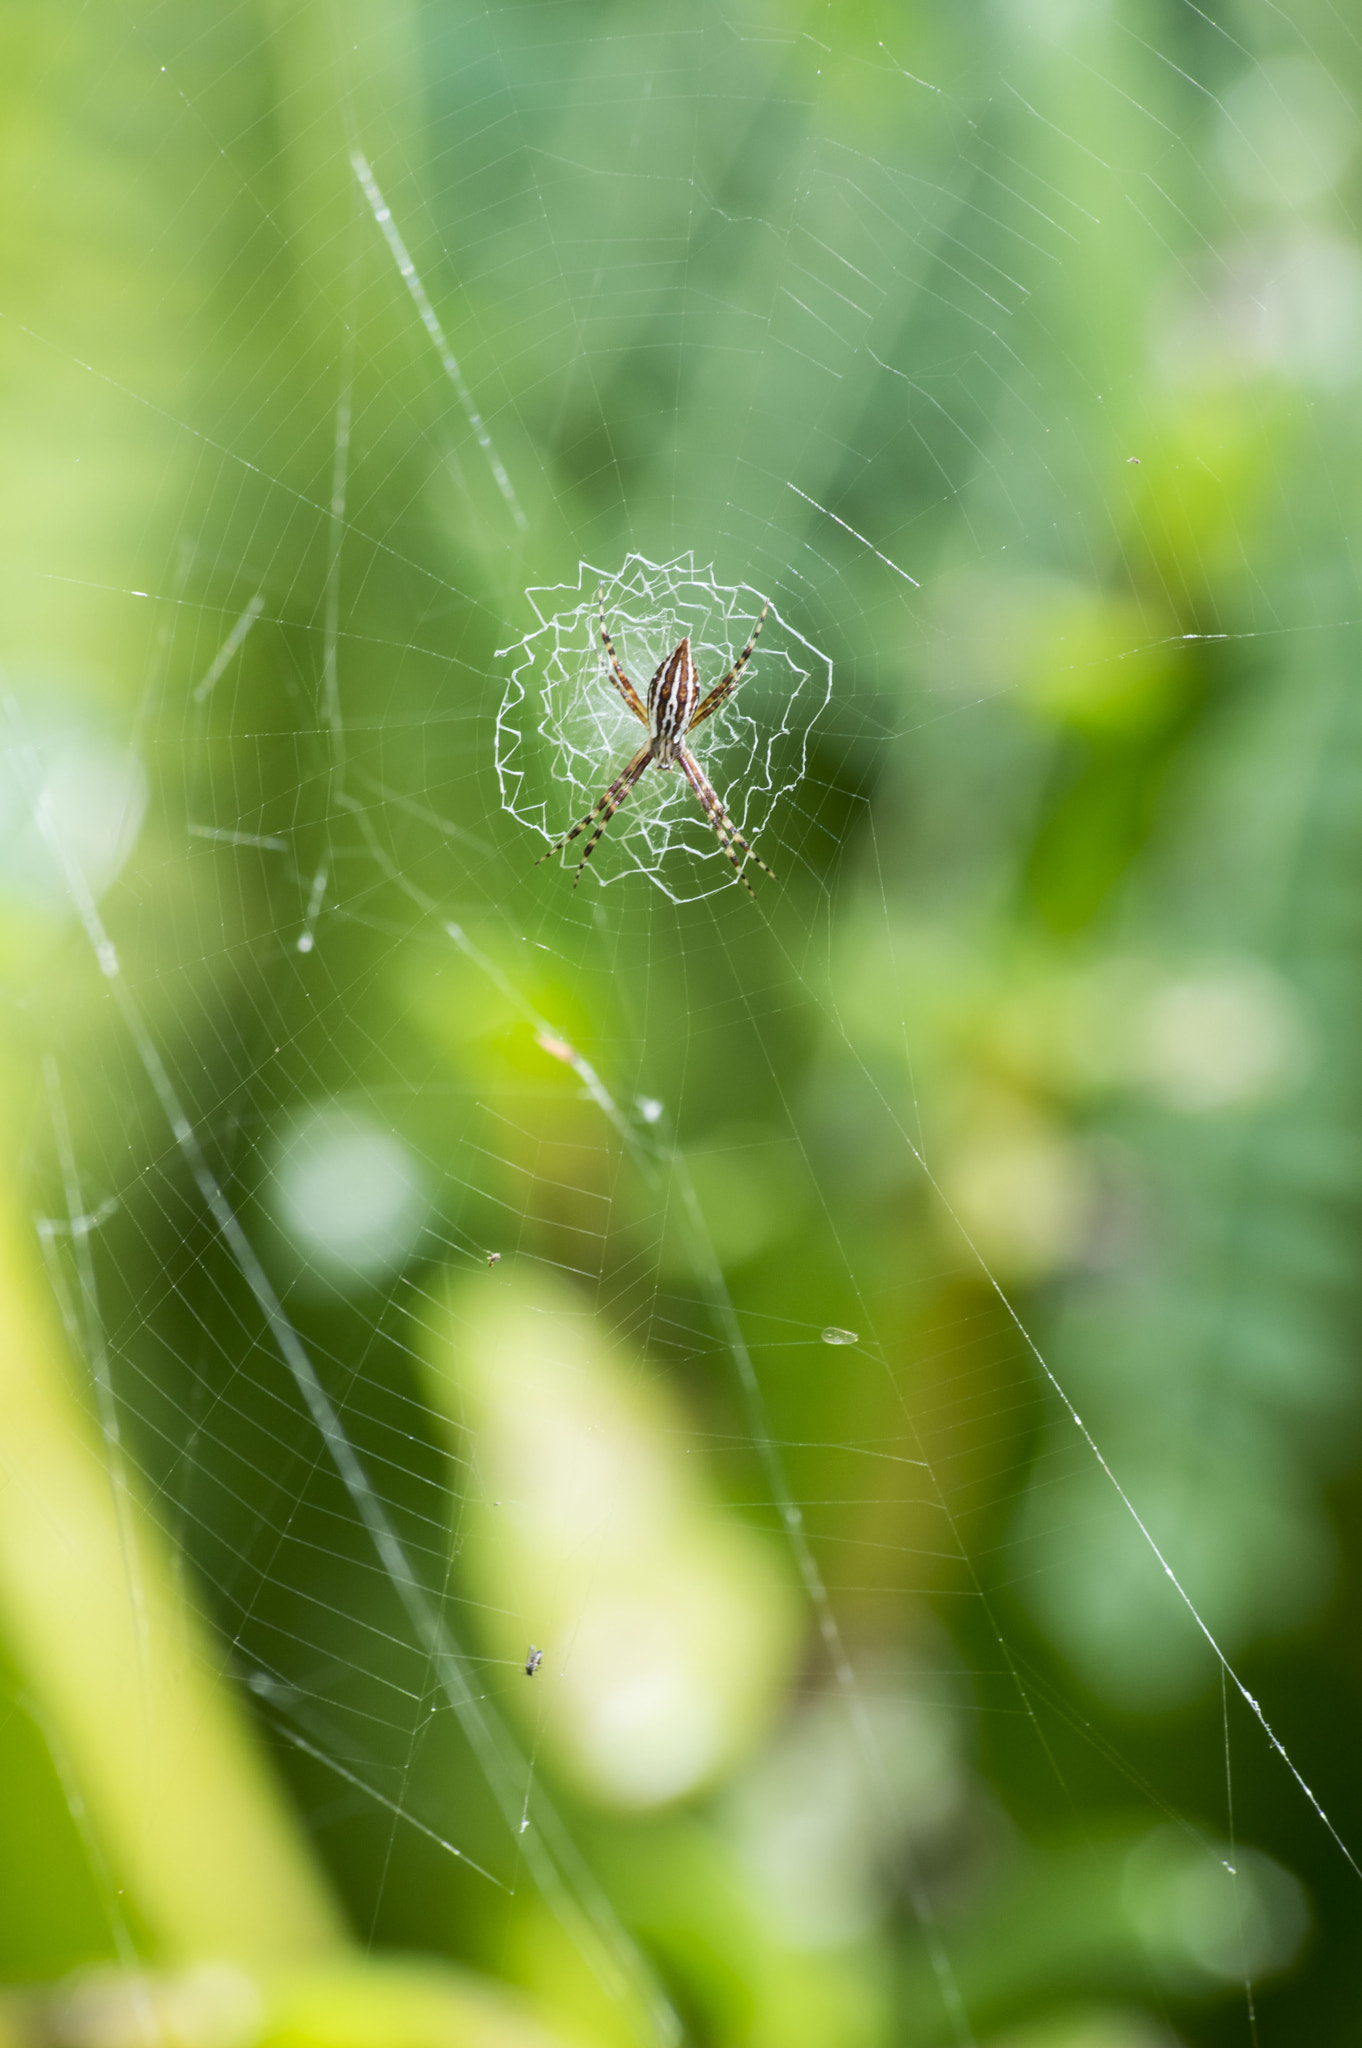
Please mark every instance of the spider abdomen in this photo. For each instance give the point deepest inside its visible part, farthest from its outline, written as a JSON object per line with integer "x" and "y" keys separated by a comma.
{"x": 672, "y": 696}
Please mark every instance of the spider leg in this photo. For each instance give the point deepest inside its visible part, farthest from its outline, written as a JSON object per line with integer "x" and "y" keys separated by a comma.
{"x": 604, "y": 810}
{"x": 617, "y": 675}
{"x": 727, "y": 684}
{"x": 725, "y": 831}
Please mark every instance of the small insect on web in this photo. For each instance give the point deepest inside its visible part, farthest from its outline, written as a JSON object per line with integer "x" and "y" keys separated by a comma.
{"x": 672, "y": 713}
{"x": 533, "y": 1659}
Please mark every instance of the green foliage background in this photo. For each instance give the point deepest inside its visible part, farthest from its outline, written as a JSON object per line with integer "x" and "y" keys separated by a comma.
{"x": 1019, "y": 298}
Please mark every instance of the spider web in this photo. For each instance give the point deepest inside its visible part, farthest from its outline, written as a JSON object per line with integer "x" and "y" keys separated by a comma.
{"x": 882, "y": 1345}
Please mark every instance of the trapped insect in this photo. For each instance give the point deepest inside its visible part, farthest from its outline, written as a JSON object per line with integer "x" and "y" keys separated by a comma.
{"x": 671, "y": 715}
{"x": 533, "y": 1661}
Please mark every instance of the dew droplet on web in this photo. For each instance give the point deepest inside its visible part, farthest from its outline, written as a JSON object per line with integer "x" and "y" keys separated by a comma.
{"x": 649, "y": 1108}
{"x": 832, "y": 1335}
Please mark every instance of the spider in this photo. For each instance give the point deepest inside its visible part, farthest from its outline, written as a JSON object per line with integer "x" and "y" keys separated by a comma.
{"x": 671, "y": 716}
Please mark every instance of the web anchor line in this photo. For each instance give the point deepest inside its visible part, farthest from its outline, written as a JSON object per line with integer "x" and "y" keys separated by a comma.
{"x": 222, "y": 659}
{"x": 854, "y": 535}
{"x": 447, "y": 1657}
{"x": 411, "y": 277}
{"x": 1225, "y": 1665}
{"x": 796, "y": 1535}
{"x": 589, "y": 1919}
{"x": 649, "y": 1157}
{"x": 1033, "y": 1348}
{"x": 300, "y": 1742}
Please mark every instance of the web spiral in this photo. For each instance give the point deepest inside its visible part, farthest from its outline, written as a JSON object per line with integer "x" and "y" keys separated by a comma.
{"x": 564, "y": 732}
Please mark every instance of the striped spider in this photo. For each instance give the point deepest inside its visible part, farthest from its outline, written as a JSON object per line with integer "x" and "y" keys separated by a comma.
{"x": 671, "y": 716}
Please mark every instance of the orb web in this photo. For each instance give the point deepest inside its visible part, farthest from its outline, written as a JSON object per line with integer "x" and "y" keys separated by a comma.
{"x": 1067, "y": 322}
{"x": 564, "y": 732}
